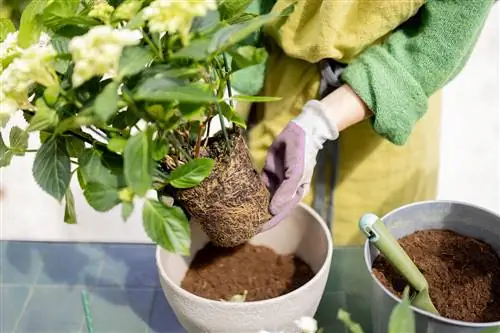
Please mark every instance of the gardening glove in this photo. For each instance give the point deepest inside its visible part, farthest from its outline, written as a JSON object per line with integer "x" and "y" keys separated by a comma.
{"x": 291, "y": 158}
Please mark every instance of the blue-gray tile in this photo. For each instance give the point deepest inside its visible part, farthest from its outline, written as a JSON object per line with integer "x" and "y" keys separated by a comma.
{"x": 53, "y": 310}
{"x": 70, "y": 264}
{"x": 327, "y": 312}
{"x": 162, "y": 319}
{"x": 132, "y": 266}
{"x": 116, "y": 310}
{"x": 12, "y": 300}
{"x": 20, "y": 262}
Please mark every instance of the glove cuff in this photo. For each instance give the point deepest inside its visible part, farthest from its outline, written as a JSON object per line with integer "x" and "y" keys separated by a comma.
{"x": 318, "y": 122}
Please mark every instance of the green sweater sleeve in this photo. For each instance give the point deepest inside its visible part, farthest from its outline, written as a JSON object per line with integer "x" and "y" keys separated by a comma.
{"x": 396, "y": 78}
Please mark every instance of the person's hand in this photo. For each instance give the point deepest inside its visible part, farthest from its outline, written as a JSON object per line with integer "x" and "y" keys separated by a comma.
{"x": 291, "y": 158}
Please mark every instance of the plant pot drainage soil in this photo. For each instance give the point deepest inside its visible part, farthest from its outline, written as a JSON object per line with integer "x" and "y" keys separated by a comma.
{"x": 220, "y": 273}
{"x": 463, "y": 274}
{"x": 232, "y": 204}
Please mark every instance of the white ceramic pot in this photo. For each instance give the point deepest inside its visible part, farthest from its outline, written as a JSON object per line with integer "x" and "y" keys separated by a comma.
{"x": 303, "y": 233}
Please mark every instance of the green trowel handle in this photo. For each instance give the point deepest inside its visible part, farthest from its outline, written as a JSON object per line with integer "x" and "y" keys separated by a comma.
{"x": 383, "y": 240}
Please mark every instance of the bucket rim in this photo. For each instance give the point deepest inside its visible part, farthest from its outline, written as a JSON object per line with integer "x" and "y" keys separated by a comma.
{"x": 366, "y": 254}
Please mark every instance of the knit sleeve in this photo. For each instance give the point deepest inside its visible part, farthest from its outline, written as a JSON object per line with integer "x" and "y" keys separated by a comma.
{"x": 396, "y": 78}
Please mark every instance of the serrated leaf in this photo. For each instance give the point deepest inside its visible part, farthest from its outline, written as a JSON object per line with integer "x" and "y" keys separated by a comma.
{"x": 256, "y": 99}
{"x": 101, "y": 197}
{"x": 230, "y": 114}
{"x": 18, "y": 139}
{"x": 133, "y": 60}
{"x": 30, "y": 26}
{"x": 5, "y": 153}
{"x": 351, "y": 326}
{"x": 106, "y": 103}
{"x": 69, "y": 208}
{"x": 192, "y": 173}
{"x": 402, "y": 319}
{"x": 160, "y": 89}
{"x": 117, "y": 144}
{"x": 138, "y": 162}
{"x": 94, "y": 170}
{"x": 74, "y": 146}
{"x": 127, "y": 210}
{"x": 6, "y": 27}
{"x": 52, "y": 169}
{"x": 167, "y": 226}
{"x": 44, "y": 118}
{"x": 196, "y": 50}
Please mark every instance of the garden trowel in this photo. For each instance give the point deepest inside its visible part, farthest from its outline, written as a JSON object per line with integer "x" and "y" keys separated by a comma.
{"x": 383, "y": 240}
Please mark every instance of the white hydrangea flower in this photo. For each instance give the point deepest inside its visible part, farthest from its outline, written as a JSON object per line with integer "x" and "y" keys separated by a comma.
{"x": 98, "y": 51}
{"x": 175, "y": 16}
{"x": 33, "y": 64}
{"x": 307, "y": 324}
{"x": 9, "y": 47}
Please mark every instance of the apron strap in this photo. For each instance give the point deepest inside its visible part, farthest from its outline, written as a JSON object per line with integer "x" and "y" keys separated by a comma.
{"x": 328, "y": 158}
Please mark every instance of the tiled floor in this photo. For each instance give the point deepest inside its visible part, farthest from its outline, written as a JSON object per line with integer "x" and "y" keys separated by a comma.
{"x": 41, "y": 285}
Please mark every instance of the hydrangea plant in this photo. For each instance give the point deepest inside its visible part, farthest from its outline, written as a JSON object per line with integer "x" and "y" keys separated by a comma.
{"x": 121, "y": 94}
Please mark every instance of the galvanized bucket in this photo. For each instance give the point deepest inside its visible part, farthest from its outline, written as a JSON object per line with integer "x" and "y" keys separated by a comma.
{"x": 460, "y": 217}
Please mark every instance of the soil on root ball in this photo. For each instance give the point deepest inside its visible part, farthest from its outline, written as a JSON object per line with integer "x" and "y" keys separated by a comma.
{"x": 220, "y": 273}
{"x": 463, "y": 274}
{"x": 232, "y": 204}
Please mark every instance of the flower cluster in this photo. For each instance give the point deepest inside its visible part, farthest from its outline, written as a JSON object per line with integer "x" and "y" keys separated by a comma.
{"x": 175, "y": 16}
{"x": 98, "y": 52}
{"x": 305, "y": 324}
{"x": 26, "y": 67}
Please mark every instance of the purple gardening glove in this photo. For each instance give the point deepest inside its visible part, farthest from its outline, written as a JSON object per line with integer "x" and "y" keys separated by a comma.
{"x": 291, "y": 158}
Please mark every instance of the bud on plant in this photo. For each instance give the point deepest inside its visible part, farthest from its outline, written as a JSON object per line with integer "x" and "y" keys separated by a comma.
{"x": 127, "y": 10}
{"x": 102, "y": 10}
{"x": 51, "y": 94}
{"x": 126, "y": 195}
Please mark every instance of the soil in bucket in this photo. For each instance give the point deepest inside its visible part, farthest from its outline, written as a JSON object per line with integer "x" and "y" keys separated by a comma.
{"x": 231, "y": 204}
{"x": 219, "y": 273}
{"x": 463, "y": 274}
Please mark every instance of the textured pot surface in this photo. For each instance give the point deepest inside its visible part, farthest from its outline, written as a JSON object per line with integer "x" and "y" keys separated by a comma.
{"x": 303, "y": 233}
{"x": 460, "y": 217}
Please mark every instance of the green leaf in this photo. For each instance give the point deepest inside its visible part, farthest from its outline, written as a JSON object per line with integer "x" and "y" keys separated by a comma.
{"x": 63, "y": 8}
{"x": 72, "y": 123}
{"x": 402, "y": 319}
{"x": 51, "y": 168}
{"x": 31, "y": 26}
{"x": 18, "y": 141}
{"x": 125, "y": 119}
{"x": 231, "y": 8}
{"x": 246, "y": 56}
{"x": 158, "y": 89}
{"x": 117, "y": 144}
{"x": 6, "y": 27}
{"x": 261, "y": 99}
{"x": 196, "y": 50}
{"x": 169, "y": 72}
{"x": 249, "y": 80}
{"x": 352, "y": 326}
{"x": 230, "y": 114}
{"x": 160, "y": 150}
{"x": 167, "y": 227}
{"x": 44, "y": 118}
{"x": 106, "y": 102}
{"x": 5, "y": 153}
{"x": 233, "y": 34}
{"x": 133, "y": 60}
{"x": 192, "y": 173}
{"x": 69, "y": 208}
{"x": 94, "y": 170}
{"x": 127, "y": 209}
{"x": 101, "y": 197}
{"x": 78, "y": 23}
{"x": 136, "y": 22}
{"x": 139, "y": 164}
{"x": 74, "y": 146}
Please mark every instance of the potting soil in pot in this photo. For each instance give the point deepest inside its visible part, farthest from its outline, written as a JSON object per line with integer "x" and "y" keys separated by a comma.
{"x": 463, "y": 274}
{"x": 220, "y": 273}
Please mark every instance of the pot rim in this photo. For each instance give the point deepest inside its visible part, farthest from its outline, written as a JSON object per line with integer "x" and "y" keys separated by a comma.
{"x": 366, "y": 254}
{"x": 325, "y": 266}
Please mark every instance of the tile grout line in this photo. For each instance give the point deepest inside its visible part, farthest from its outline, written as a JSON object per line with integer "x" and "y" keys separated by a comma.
{"x": 28, "y": 299}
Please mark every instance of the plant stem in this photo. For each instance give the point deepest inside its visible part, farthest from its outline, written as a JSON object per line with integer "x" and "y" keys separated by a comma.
{"x": 178, "y": 146}
{"x": 223, "y": 128}
{"x": 31, "y": 150}
{"x": 69, "y": 99}
{"x": 151, "y": 44}
{"x": 160, "y": 47}
{"x": 208, "y": 123}
{"x": 227, "y": 75}
{"x": 198, "y": 141}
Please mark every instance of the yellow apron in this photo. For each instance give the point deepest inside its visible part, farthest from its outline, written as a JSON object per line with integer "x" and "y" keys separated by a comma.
{"x": 372, "y": 174}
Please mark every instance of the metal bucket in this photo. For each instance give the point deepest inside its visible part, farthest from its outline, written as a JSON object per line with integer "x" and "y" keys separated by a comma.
{"x": 463, "y": 218}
